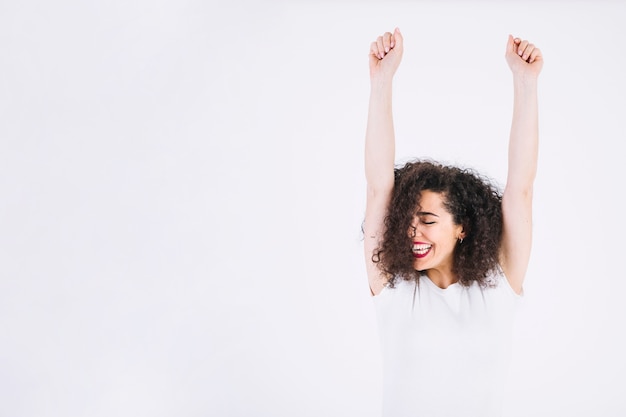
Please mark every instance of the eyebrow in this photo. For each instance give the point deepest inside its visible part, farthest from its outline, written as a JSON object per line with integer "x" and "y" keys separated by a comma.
{"x": 426, "y": 213}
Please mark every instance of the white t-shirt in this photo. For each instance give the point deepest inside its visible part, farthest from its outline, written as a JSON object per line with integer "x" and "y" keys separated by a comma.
{"x": 445, "y": 351}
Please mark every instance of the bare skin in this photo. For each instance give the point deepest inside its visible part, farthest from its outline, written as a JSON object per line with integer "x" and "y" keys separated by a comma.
{"x": 434, "y": 236}
{"x": 525, "y": 62}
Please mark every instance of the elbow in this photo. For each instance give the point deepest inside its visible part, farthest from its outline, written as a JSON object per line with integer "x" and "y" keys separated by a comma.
{"x": 380, "y": 183}
{"x": 521, "y": 190}
{"x": 379, "y": 189}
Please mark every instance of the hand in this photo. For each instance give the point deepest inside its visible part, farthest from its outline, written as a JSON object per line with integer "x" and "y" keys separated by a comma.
{"x": 385, "y": 55}
{"x": 524, "y": 58}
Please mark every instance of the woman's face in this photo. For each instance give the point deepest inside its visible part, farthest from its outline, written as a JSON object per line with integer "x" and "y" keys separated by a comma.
{"x": 434, "y": 234}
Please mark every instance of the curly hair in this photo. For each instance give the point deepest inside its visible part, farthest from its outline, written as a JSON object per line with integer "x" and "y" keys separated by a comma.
{"x": 473, "y": 201}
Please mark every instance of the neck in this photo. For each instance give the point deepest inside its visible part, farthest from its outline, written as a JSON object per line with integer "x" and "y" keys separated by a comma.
{"x": 440, "y": 278}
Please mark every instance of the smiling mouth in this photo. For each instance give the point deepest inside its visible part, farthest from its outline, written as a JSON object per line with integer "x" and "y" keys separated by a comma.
{"x": 421, "y": 249}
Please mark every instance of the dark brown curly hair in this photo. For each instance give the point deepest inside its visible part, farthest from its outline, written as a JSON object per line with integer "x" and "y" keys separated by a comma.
{"x": 474, "y": 202}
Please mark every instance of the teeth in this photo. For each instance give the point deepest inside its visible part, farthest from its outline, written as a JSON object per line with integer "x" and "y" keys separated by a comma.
{"x": 421, "y": 248}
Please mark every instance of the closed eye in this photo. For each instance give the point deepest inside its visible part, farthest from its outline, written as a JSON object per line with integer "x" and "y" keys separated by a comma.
{"x": 422, "y": 215}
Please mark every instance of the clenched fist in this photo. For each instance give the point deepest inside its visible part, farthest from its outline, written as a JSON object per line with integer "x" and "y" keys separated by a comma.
{"x": 385, "y": 55}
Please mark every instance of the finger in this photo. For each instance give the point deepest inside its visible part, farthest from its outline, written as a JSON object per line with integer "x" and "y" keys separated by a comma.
{"x": 374, "y": 50}
{"x": 516, "y": 42}
{"x": 529, "y": 49}
{"x": 521, "y": 47}
{"x": 381, "y": 47}
{"x": 387, "y": 41}
{"x": 535, "y": 55}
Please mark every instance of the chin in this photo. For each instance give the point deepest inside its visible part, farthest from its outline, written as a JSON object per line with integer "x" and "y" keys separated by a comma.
{"x": 420, "y": 266}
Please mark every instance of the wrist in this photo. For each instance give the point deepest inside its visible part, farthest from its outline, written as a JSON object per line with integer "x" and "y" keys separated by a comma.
{"x": 525, "y": 81}
{"x": 381, "y": 83}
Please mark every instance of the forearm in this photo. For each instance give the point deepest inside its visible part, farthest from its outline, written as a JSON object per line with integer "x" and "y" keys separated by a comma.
{"x": 380, "y": 138}
{"x": 523, "y": 142}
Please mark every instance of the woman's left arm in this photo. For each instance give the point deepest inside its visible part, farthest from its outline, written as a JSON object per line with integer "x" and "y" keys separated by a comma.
{"x": 525, "y": 61}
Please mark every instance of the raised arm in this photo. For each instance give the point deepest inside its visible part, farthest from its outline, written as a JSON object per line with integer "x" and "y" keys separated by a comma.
{"x": 384, "y": 58}
{"x": 525, "y": 61}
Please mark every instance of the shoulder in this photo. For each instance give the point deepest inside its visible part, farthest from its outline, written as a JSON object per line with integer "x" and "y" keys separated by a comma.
{"x": 497, "y": 285}
{"x": 401, "y": 294}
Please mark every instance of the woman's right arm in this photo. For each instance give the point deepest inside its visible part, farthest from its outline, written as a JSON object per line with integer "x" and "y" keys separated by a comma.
{"x": 384, "y": 58}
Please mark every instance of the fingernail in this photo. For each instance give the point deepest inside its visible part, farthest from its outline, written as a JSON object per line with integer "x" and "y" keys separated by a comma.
{"x": 386, "y": 49}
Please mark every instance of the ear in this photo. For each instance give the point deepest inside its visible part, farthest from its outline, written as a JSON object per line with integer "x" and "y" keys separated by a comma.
{"x": 461, "y": 233}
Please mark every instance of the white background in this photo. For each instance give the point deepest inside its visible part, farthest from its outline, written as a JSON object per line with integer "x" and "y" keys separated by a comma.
{"x": 182, "y": 190}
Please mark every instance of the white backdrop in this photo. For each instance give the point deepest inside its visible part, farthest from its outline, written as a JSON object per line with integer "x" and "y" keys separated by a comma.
{"x": 182, "y": 189}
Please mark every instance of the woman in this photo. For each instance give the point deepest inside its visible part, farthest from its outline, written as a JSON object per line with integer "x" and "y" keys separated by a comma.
{"x": 446, "y": 253}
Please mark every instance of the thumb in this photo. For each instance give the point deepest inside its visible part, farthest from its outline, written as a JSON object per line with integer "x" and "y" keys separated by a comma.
{"x": 510, "y": 45}
{"x": 398, "y": 39}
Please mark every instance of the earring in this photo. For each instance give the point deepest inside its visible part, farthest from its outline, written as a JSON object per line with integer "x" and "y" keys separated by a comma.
{"x": 460, "y": 240}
